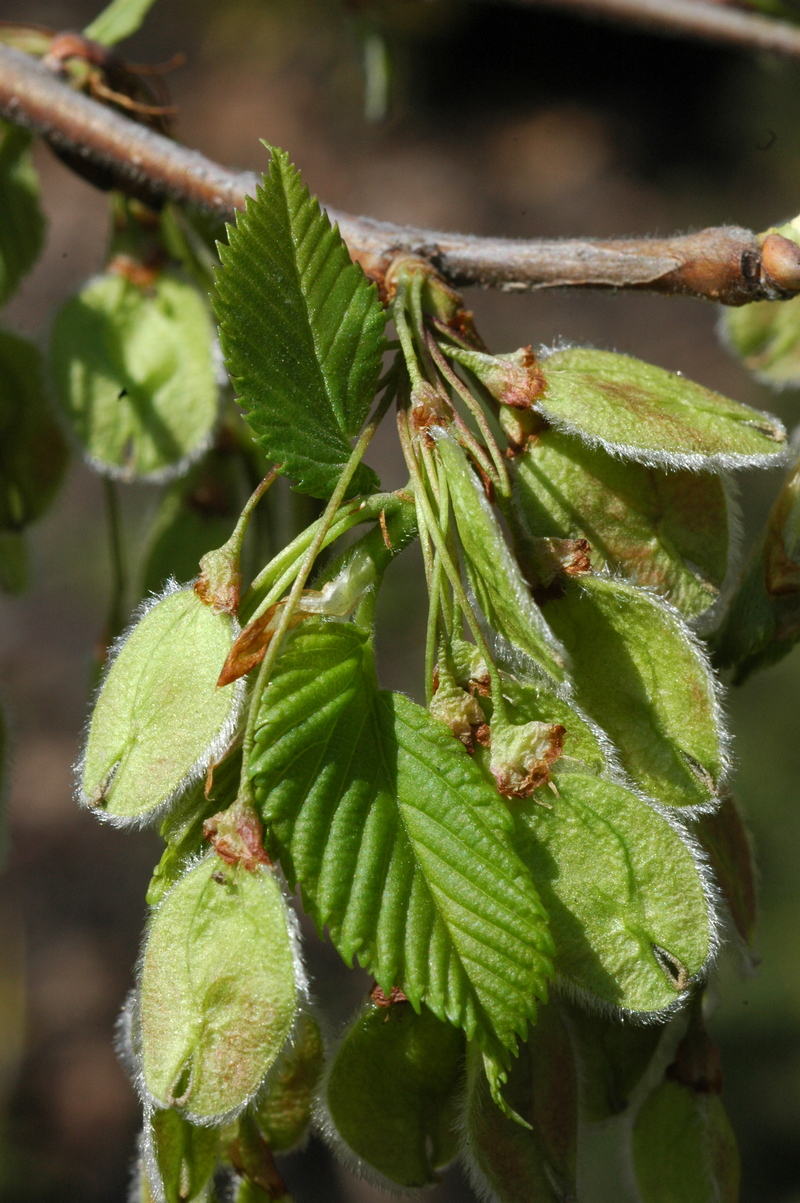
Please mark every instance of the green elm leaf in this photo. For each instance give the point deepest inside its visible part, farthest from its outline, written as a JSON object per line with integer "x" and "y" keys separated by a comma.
{"x": 117, "y": 21}
{"x": 400, "y": 846}
{"x": 284, "y": 1113}
{"x": 218, "y": 992}
{"x": 684, "y": 1149}
{"x": 135, "y": 374}
{"x": 641, "y": 412}
{"x": 33, "y": 452}
{"x": 515, "y": 1164}
{"x": 391, "y": 1093}
{"x": 627, "y": 906}
{"x": 499, "y": 587}
{"x": 23, "y": 227}
{"x": 302, "y": 332}
{"x": 179, "y": 1157}
{"x": 665, "y": 530}
{"x": 159, "y": 718}
{"x": 643, "y": 679}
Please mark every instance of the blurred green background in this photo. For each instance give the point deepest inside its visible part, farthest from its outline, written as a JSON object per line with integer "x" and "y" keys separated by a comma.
{"x": 500, "y": 119}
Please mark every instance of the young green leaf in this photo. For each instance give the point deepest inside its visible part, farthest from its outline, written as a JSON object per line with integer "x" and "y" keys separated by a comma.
{"x": 284, "y": 1113}
{"x": 197, "y": 514}
{"x": 627, "y": 906}
{"x": 766, "y": 336}
{"x": 134, "y": 368}
{"x": 23, "y": 226}
{"x": 498, "y": 585}
{"x": 33, "y": 453}
{"x": 218, "y": 991}
{"x": 302, "y": 332}
{"x": 399, "y": 844}
{"x": 117, "y": 21}
{"x": 641, "y": 412}
{"x": 515, "y": 1164}
{"x": 179, "y": 1157}
{"x": 613, "y": 1056}
{"x": 666, "y": 530}
{"x": 391, "y": 1094}
{"x": 159, "y": 719}
{"x": 642, "y": 678}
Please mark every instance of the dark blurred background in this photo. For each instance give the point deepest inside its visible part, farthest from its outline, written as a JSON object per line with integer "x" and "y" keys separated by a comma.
{"x": 504, "y": 120}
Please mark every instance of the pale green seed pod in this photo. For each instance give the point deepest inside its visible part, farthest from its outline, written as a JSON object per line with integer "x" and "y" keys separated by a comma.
{"x": 159, "y": 718}
{"x": 135, "y": 373}
{"x": 179, "y": 1158}
{"x": 533, "y": 1161}
{"x": 684, "y": 1149}
{"x": 285, "y": 1110}
{"x": 220, "y": 984}
{"x": 391, "y": 1092}
{"x": 613, "y": 1055}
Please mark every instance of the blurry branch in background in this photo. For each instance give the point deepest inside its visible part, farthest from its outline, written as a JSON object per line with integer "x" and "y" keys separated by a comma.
{"x": 709, "y": 20}
{"x": 726, "y": 264}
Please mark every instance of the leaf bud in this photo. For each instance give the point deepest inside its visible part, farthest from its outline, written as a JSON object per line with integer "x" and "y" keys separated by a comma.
{"x": 179, "y": 1157}
{"x": 459, "y": 709}
{"x": 522, "y": 755}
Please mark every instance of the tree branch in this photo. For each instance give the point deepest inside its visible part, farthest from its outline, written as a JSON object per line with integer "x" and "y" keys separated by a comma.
{"x": 726, "y": 264}
{"x": 709, "y": 20}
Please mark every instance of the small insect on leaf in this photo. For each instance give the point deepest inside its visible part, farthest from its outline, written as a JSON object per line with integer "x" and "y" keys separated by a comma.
{"x": 628, "y": 910}
{"x": 644, "y": 413}
{"x": 392, "y": 1092}
{"x": 135, "y": 374}
{"x": 159, "y": 718}
{"x": 513, "y": 1163}
{"x": 302, "y": 332}
{"x": 219, "y": 992}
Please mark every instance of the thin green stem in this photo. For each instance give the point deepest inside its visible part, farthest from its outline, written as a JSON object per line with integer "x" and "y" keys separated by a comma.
{"x": 428, "y": 519}
{"x": 119, "y": 576}
{"x": 476, "y": 409}
{"x": 405, "y": 335}
{"x": 287, "y": 612}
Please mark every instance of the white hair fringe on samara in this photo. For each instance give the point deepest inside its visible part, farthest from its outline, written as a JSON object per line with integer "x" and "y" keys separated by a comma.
{"x": 692, "y": 461}
{"x": 215, "y": 749}
{"x": 129, "y": 1026}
